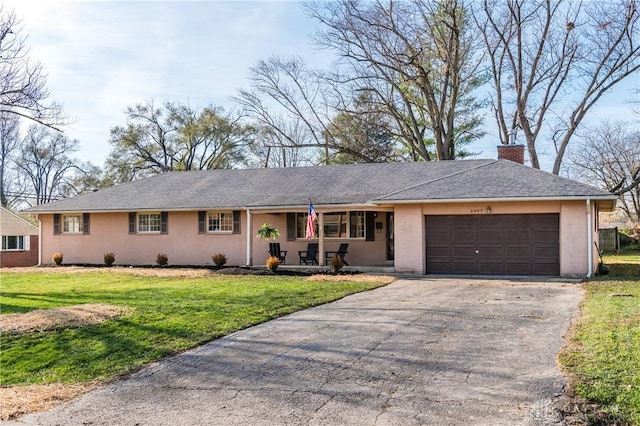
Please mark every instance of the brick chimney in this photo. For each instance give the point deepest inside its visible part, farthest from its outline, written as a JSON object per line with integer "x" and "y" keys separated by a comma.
{"x": 511, "y": 152}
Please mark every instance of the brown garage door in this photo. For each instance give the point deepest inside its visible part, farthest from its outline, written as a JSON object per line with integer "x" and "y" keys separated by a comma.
{"x": 518, "y": 244}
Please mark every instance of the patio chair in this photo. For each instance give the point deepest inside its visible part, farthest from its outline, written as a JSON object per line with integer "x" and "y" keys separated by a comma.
{"x": 274, "y": 250}
{"x": 342, "y": 251}
{"x": 309, "y": 256}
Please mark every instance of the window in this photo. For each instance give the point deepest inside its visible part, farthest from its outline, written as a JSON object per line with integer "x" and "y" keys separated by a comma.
{"x": 149, "y": 222}
{"x": 15, "y": 242}
{"x": 336, "y": 225}
{"x": 301, "y": 226}
{"x": 220, "y": 222}
{"x": 72, "y": 224}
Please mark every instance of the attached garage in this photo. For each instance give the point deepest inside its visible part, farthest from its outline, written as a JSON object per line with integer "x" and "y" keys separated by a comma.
{"x": 511, "y": 244}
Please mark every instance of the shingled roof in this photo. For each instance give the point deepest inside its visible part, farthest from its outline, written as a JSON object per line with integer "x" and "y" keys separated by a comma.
{"x": 355, "y": 184}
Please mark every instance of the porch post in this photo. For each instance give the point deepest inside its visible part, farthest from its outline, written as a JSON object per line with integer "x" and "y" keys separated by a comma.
{"x": 249, "y": 240}
{"x": 320, "y": 239}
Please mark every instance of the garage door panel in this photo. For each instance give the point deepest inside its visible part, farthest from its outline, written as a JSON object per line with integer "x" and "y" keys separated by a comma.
{"x": 493, "y": 244}
{"x": 490, "y": 235}
{"x": 551, "y": 221}
{"x": 463, "y": 236}
{"x": 490, "y": 267}
{"x": 545, "y": 236}
{"x": 438, "y": 236}
{"x": 549, "y": 252}
{"x": 462, "y": 267}
{"x": 439, "y": 267}
{"x": 518, "y": 268}
{"x": 489, "y": 222}
{"x": 546, "y": 268}
{"x": 514, "y": 235}
{"x": 513, "y": 251}
{"x": 462, "y": 222}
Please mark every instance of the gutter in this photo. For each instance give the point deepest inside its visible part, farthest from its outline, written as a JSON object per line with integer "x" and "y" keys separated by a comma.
{"x": 486, "y": 200}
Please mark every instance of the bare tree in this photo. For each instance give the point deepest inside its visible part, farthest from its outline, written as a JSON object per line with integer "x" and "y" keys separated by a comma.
{"x": 45, "y": 161}
{"x": 22, "y": 83}
{"x": 551, "y": 62}
{"x": 176, "y": 137}
{"x": 292, "y": 104}
{"x": 610, "y": 154}
{"x": 418, "y": 60}
{"x": 9, "y": 144}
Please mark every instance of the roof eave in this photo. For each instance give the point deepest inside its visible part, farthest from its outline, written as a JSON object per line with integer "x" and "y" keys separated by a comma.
{"x": 611, "y": 198}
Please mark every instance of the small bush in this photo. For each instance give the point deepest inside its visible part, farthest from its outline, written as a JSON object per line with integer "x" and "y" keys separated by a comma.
{"x": 273, "y": 263}
{"x": 219, "y": 259}
{"x": 57, "y": 258}
{"x": 337, "y": 263}
{"x": 162, "y": 259}
{"x": 109, "y": 258}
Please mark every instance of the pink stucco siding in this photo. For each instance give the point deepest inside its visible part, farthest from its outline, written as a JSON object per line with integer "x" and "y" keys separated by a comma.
{"x": 110, "y": 233}
{"x": 409, "y": 239}
{"x": 183, "y": 244}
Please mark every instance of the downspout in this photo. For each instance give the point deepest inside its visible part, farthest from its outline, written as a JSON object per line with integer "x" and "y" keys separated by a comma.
{"x": 39, "y": 241}
{"x": 589, "y": 241}
{"x": 249, "y": 240}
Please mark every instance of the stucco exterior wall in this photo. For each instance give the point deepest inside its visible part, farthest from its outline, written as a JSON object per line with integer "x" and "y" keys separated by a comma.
{"x": 183, "y": 244}
{"x": 109, "y": 232}
{"x": 409, "y": 239}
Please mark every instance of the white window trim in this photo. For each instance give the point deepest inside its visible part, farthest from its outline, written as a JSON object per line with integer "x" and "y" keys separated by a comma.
{"x": 148, "y": 214}
{"x": 26, "y": 240}
{"x": 81, "y": 224}
{"x": 219, "y": 231}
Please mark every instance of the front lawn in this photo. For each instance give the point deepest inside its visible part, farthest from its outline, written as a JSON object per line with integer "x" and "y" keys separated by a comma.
{"x": 166, "y": 315}
{"x": 604, "y": 354}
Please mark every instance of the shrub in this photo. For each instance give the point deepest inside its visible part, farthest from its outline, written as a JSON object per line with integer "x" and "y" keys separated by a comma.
{"x": 219, "y": 259}
{"x": 273, "y": 263}
{"x": 337, "y": 263}
{"x": 109, "y": 258}
{"x": 162, "y": 259}
{"x": 57, "y": 258}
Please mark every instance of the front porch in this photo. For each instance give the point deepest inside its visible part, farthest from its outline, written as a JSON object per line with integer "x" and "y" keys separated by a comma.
{"x": 366, "y": 235}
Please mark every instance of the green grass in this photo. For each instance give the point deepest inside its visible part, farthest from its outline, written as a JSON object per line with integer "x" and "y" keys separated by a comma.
{"x": 169, "y": 315}
{"x": 605, "y": 355}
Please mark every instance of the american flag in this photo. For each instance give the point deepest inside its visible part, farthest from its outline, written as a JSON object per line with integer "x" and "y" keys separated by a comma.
{"x": 311, "y": 221}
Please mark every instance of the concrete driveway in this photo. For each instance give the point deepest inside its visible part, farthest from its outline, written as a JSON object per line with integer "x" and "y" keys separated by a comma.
{"x": 417, "y": 352}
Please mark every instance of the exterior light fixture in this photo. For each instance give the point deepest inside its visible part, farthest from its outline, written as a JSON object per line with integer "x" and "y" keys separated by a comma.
{"x": 488, "y": 210}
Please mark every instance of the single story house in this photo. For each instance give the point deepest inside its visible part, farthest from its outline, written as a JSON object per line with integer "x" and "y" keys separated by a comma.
{"x": 19, "y": 240}
{"x": 494, "y": 217}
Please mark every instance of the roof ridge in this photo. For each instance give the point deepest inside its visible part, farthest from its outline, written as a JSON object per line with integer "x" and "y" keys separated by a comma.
{"x": 484, "y": 164}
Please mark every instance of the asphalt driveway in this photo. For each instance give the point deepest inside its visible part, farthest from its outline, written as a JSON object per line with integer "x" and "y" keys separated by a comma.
{"x": 417, "y": 352}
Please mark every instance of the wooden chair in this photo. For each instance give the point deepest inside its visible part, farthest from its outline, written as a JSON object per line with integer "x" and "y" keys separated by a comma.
{"x": 309, "y": 256}
{"x": 342, "y": 252}
{"x": 274, "y": 250}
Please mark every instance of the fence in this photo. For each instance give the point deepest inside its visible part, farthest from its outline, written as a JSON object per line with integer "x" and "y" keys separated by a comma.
{"x": 609, "y": 239}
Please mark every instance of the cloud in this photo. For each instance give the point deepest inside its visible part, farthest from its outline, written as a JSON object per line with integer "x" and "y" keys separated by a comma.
{"x": 104, "y": 56}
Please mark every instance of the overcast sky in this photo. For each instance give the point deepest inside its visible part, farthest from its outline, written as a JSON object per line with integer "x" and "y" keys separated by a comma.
{"x": 101, "y": 57}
